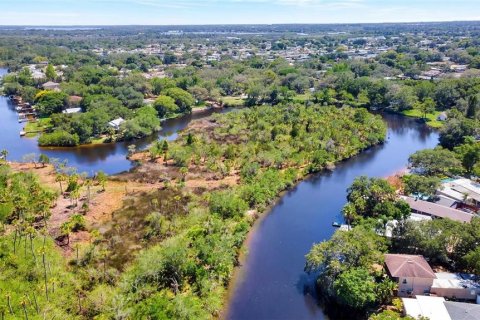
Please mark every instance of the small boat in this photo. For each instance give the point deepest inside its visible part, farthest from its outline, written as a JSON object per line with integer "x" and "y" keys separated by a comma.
{"x": 22, "y": 133}
{"x": 336, "y": 224}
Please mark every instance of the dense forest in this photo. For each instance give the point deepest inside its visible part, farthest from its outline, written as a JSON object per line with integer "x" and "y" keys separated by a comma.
{"x": 190, "y": 240}
{"x": 141, "y": 82}
{"x": 303, "y": 102}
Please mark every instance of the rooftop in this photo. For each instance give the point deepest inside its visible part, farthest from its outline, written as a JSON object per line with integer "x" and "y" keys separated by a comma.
{"x": 408, "y": 266}
{"x": 437, "y": 210}
{"x": 462, "y": 311}
{"x": 424, "y": 306}
{"x": 454, "y": 281}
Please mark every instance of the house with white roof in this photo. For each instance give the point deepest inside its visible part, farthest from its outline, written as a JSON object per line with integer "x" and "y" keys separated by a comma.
{"x": 432, "y": 308}
{"x": 116, "y": 123}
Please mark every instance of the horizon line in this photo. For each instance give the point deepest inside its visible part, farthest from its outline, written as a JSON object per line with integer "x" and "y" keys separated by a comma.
{"x": 240, "y": 24}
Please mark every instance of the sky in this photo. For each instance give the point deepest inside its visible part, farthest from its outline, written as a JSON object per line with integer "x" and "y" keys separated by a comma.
{"x": 177, "y": 12}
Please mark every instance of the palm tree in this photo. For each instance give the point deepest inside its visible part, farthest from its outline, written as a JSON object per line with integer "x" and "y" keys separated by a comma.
{"x": 66, "y": 229}
{"x": 165, "y": 151}
{"x": 102, "y": 179}
{"x": 4, "y": 154}
{"x": 183, "y": 172}
{"x": 60, "y": 177}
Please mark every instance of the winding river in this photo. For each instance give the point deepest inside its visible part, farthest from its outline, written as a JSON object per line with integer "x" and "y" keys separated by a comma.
{"x": 272, "y": 283}
{"x": 110, "y": 158}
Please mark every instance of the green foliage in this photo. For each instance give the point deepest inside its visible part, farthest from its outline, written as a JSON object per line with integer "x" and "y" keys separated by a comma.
{"x": 373, "y": 198}
{"x": 355, "y": 288}
{"x": 49, "y": 102}
{"x": 227, "y": 204}
{"x": 183, "y": 99}
{"x": 58, "y": 138}
{"x": 346, "y": 268}
{"x": 421, "y": 185}
{"x": 50, "y": 73}
{"x": 433, "y": 162}
{"x": 165, "y": 106}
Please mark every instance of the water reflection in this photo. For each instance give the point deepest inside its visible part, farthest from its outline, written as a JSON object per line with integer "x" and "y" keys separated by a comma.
{"x": 110, "y": 158}
{"x": 274, "y": 285}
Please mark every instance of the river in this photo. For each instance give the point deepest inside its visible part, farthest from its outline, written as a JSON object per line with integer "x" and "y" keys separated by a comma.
{"x": 272, "y": 283}
{"x": 110, "y": 158}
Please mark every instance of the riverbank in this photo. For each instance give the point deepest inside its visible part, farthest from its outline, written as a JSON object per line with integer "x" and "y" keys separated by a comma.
{"x": 432, "y": 118}
{"x": 271, "y": 282}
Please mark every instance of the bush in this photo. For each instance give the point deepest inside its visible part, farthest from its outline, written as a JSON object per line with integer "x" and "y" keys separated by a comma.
{"x": 227, "y": 204}
{"x": 58, "y": 138}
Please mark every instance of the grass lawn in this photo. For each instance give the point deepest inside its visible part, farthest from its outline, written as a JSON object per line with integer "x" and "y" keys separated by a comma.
{"x": 34, "y": 128}
{"x": 303, "y": 97}
{"x": 431, "y": 117}
{"x": 99, "y": 140}
{"x": 233, "y": 101}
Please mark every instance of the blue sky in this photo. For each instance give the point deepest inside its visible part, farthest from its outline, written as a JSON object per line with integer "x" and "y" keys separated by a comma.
{"x": 163, "y": 12}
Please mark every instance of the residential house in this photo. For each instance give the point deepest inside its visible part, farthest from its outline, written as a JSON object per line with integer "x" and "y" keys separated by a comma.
{"x": 412, "y": 273}
{"x": 72, "y": 110}
{"x": 462, "y": 311}
{"x": 116, "y": 123}
{"x": 462, "y": 190}
{"x": 432, "y": 308}
{"x": 455, "y": 286}
{"x": 437, "y": 211}
{"x": 442, "y": 116}
{"x": 50, "y": 85}
{"x": 437, "y": 308}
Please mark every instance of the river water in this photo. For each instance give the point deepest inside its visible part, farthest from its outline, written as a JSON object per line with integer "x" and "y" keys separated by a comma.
{"x": 110, "y": 158}
{"x": 272, "y": 283}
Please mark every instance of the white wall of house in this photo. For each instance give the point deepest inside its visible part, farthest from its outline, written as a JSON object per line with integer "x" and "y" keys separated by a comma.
{"x": 413, "y": 286}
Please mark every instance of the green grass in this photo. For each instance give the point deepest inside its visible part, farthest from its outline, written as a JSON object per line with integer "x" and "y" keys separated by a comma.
{"x": 39, "y": 126}
{"x": 303, "y": 97}
{"x": 431, "y": 117}
{"x": 233, "y": 101}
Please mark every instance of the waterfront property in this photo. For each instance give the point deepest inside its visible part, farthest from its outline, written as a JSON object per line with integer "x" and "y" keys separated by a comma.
{"x": 437, "y": 211}
{"x": 437, "y": 308}
{"x": 432, "y": 308}
{"x": 463, "y": 190}
{"x": 412, "y": 273}
{"x": 455, "y": 286}
{"x": 116, "y": 123}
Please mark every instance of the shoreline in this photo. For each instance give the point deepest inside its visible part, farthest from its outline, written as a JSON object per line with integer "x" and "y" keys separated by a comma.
{"x": 239, "y": 271}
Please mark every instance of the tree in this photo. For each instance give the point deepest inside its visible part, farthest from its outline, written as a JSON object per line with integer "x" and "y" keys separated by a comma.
{"x": 66, "y": 229}
{"x": 60, "y": 177}
{"x": 421, "y": 185}
{"x": 472, "y": 106}
{"x": 49, "y": 102}
{"x": 183, "y": 99}
{"x": 469, "y": 154}
{"x": 425, "y": 107}
{"x": 43, "y": 159}
{"x": 165, "y": 105}
{"x": 184, "y": 172}
{"x": 431, "y": 162}
{"x": 356, "y": 288}
{"x": 190, "y": 139}
{"x": 101, "y": 178}
{"x": 227, "y": 204}
{"x": 50, "y": 73}
{"x": 373, "y": 198}
{"x": 165, "y": 151}
{"x": 4, "y": 154}
{"x": 456, "y": 128}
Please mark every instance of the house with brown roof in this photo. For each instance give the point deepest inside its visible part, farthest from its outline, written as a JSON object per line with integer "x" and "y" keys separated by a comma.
{"x": 412, "y": 273}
